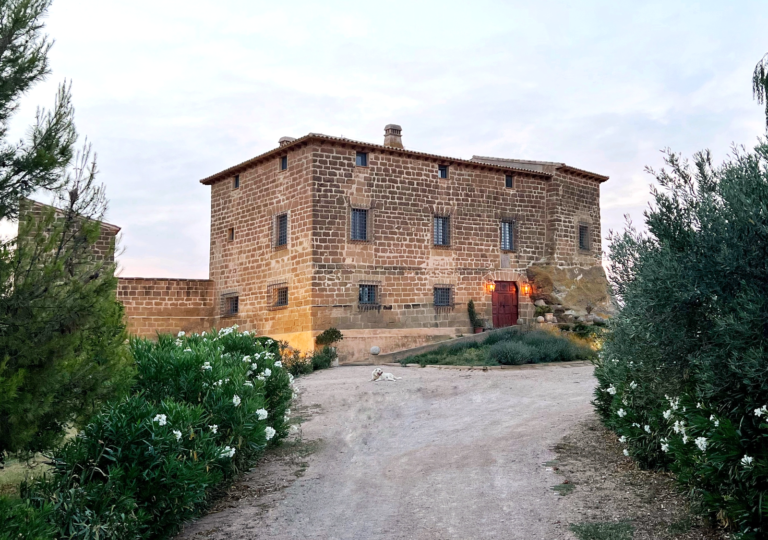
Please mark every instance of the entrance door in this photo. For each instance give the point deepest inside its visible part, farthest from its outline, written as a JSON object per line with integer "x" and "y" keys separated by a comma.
{"x": 504, "y": 304}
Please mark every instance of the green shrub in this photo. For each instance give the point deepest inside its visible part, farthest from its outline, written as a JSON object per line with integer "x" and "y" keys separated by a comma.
{"x": 323, "y": 358}
{"x": 474, "y": 320}
{"x": 511, "y": 353}
{"x": 502, "y": 335}
{"x": 22, "y": 520}
{"x": 540, "y": 311}
{"x": 329, "y": 337}
{"x": 682, "y": 376}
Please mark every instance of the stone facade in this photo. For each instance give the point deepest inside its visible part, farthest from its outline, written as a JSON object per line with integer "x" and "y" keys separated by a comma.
{"x": 317, "y": 182}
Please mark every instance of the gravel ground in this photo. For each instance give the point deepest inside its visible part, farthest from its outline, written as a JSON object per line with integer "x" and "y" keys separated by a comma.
{"x": 440, "y": 454}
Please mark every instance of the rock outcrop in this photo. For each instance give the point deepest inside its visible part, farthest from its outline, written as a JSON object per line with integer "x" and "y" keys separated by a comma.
{"x": 572, "y": 289}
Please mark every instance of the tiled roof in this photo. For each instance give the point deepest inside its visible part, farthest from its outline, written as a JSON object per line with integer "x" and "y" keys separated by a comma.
{"x": 226, "y": 173}
{"x": 539, "y": 166}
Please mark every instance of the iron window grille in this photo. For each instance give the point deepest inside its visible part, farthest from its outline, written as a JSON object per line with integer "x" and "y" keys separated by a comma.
{"x": 443, "y": 296}
{"x": 442, "y": 171}
{"x": 277, "y": 295}
{"x": 231, "y": 234}
{"x": 509, "y": 181}
{"x": 359, "y": 225}
{"x": 281, "y": 230}
{"x": 361, "y": 159}
{"x": 231, "y": 305}
{"x": 584, "y": 237}
{"x": 236, "y": 182}
{"x": 508, "y": 235}
{"x": 284, "y": 163}
{"x": 442, "y": 230}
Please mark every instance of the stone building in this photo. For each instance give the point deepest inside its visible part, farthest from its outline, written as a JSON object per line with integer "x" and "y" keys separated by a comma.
{"x": 384, "y": 243}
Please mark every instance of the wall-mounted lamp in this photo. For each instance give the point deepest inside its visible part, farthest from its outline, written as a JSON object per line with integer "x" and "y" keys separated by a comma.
{"x": 490, "y": 286}
{"x": 525, "y": 288}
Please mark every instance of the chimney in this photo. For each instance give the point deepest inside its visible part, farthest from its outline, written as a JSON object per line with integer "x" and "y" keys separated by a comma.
{"x": 286, "y": 140}
{"x": 392, "y": 136}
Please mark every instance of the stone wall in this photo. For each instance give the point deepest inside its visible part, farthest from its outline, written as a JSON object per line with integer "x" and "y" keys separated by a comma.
{"x": 155, "y": 305}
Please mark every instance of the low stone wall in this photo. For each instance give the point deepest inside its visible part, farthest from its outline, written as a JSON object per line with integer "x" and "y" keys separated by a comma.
{"x": 163, "y": 305}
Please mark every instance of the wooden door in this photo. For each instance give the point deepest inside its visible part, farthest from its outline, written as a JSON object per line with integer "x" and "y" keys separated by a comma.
{"x": 504, "y": 304}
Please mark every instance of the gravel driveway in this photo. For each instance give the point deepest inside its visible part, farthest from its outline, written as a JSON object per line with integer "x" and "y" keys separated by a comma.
{"x": 440, "y": 454}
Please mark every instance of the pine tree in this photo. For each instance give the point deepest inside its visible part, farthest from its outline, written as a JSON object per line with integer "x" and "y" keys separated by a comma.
{"x": 62, "y": 336}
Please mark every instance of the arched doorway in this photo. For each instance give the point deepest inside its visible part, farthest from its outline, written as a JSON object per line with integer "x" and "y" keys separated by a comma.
{"x": 504, "y": 304}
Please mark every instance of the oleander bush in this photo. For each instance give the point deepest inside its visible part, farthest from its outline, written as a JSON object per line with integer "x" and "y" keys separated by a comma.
{"x": 683, "y": 374}
{"x": 203, "y": 408}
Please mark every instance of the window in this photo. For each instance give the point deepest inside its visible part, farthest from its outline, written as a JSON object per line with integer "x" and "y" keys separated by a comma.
{"x": 443, "y": 296}
{"x": 359, "y": 225}
{"x": 508, "y": 235}
{"x": 368, "y": 295}
{"x": 230, "y": 234}
{"x": 236, "y": 182}
{"x": 361, "y": 159}
{"x": 442, "y": 232}
{"x": 232, "y": 305}
{"x": 280, "y": 297}
{"x": 584, "y": 237}
{"x": 284, "y": 163}
{"x": 281, "y": 230}
{"x": 442, "y": 171}
{"x": 509, "y": 181}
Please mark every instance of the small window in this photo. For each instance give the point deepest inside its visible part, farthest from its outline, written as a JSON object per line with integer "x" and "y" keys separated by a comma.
{"x": 508, "y": 235}
{"x": 230, "y": 234}
{"x": 232, "y": 306}
{"x": 442, "y": 171}
{"x": 359, "y": 225}
{"x": 281, "y": 230}
{"x": 280, "y": 297}
{"x": 284, "y": 163}
{"x": 361, "y": 159}
{"x": 368, "y": 295}
{"x": 509, "y": 181}
{"x": 442, "y": 231}
{"x": 584, "y": 237}
{"x": 443, "y": 296}
{"x": 236, "y": 182}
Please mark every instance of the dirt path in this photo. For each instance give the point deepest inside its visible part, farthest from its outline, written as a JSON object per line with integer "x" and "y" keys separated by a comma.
{"x": 440, "y": 454}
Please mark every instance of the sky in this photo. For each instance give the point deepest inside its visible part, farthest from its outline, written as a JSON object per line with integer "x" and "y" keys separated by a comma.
{"x": 170, "y": 92}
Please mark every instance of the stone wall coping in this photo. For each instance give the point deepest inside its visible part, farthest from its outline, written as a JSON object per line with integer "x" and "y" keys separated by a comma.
{"x": 306, "y": 139}
{"x": 120, "y": 278}
{"x": 573, "y": 364}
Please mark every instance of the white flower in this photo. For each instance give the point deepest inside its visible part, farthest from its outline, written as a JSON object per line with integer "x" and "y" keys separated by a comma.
{"x": 246, "y": 333}
{"x": 701, "y": 442}
{"x": 278, "y": 364}
{"x": 633, "y": 385}
{"x": 287, "y": 411}
{"x": 747, "y": 461}
{"x": 286, "y": 418}
{"x": 674, "y": 403}
{"x": 647, "y": 428}
{"x": 667, "y": 414}
{"x": 622, "y": 439}
{"x": 270, "y": 432}
{"x": 262, "y": 414}
{"x": 626, "y": 452}
{"x": 180, "y": 334}
{"x": 622, "y": 413}
{"x": 203, "y": 334}
{"x": 160, "y": 419}
{"x": 214, "y": 428}
{"x": 761, "y": 411}
{"x": 699, "y": 405}
{"x": 248, "y": 383}
{"x": 714, "y": 420}
{"x": 218, "y": 383}
{"x": 269, "y": 342}
{"x": 246, "y": 358}
{"x": 248, "y": 373}
{"x": 611, "y": 390}
{"x": 187, "y": 350}
{"x": 268, "y": 355}
{"x": 664, "y": 447}
{"x": 179, "y": 343}
{"x": 261, "y": 377}
{"x": 227, "y": 452}
{"x": 635, "y": 424}
{"x": 236, "y": 401}
{"x": 267, "y": 372}
{"x": 679, "y": 426}
{"x": 207, "y": 366}
{"x": 254, "y": 366}
{"x": 178, "y": 434}
{"x": 685, "y": 439}
{"x": 290, "y": 378}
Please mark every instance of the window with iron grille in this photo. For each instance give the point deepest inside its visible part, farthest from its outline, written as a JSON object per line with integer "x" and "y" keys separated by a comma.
{"x": 232, "y": 305}
{"x": 361, "y": 159}
{"x": 281, "y": 230}
{"x": 231, "y": 234}
{"x": 584, "y": 237}
{"x": 284, "y": 163}
{"x": 280, "y": 297}
{"x": 509, "y": 181}
{"x": 443, "y": 296}
{"x": 236, "y": 182}
{"x": 359, "y": 224}
{"x": 368, "y": 294}
{"x": 442, "y": 231}
{"x": 442, "y": 171}
{"x": 508, "y": 235}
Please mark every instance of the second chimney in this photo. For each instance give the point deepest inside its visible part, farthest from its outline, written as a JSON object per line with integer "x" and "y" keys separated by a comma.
{"x": 393, "y": 136}
{"x": 286, "y": 140}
